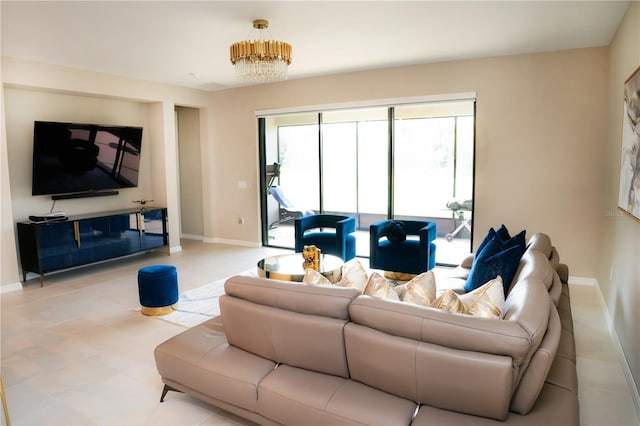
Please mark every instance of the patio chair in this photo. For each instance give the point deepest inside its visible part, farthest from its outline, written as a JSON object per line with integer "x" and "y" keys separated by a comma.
{"x": 390, "y": 250}
{"x": 332, "y": 234}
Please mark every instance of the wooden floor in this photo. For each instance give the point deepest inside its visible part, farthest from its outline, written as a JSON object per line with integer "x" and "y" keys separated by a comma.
{"x": 77, "y": 352}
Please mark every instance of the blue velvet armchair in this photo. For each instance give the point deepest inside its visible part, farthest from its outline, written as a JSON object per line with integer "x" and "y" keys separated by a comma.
{"x": 412, "y": 256}
{"x": 339, "y": 241}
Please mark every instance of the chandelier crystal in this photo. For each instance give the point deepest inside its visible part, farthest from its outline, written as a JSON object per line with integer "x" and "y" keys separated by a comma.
{"x": 261, "y": 61}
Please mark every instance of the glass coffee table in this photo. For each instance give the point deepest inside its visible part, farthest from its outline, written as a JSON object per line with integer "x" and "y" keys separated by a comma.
{"x": 290, "y": 267}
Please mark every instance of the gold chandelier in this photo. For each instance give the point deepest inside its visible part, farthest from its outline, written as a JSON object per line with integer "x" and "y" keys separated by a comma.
{"x": 261, "y": 60}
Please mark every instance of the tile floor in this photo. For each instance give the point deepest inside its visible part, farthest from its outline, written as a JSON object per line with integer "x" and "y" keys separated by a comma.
{"x": 76, "y": 352}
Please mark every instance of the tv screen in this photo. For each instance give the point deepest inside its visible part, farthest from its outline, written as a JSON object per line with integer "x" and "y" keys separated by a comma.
{"x": 74, "y": 158}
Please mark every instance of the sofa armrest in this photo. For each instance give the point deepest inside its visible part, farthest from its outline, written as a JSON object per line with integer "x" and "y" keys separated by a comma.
{"x": 467, "y": 262}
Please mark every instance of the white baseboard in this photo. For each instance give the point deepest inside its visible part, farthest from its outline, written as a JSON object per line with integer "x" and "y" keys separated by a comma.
{"x": 633, "y": 387}
{"x": 232, "y": 242}
{"x": 192, "y": 237}
{"x": 584, "y": 281}
{"x": 175, "y": 249}
{"x": 7, "y": 288}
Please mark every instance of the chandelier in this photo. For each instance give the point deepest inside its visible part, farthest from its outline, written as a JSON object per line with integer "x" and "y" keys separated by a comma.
{"x": 261, "y": 61}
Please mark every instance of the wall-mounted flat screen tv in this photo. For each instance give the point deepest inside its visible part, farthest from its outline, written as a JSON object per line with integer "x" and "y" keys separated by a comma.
{"x": 78, "y": 158}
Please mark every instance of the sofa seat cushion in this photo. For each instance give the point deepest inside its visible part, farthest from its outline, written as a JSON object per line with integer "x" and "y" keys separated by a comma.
{"x": 563, "y": 373}
{"x": 293, "y": 396}
{"x": 399, "y": 256}
{"x": 200, "y": 358}
{"x": 555, "y": 406}
{"x": 567, "y": 345}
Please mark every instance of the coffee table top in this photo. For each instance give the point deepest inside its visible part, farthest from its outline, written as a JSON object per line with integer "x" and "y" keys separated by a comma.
{"x": 290, "y": 267}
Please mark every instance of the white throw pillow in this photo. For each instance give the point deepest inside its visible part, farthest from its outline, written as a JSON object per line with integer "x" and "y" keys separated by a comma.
{"x": 378, "y": 286}
{"x": 313, "y": 277}
{"x": 487, "y": 300}
{"x": 353, "y": 275}
{"x": 420, "y": 290}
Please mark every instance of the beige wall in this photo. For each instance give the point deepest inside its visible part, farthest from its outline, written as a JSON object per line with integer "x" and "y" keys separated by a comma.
{"x": 190, "y": 172}
{"x": 23, "y": 107}
{"x": 8, "y": 256}
{"x": 541, "y": 121}
{"x": 619, "y": 256}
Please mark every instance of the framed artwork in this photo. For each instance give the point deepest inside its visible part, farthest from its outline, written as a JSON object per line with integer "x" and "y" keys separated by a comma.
{"x": 629, "y": 193}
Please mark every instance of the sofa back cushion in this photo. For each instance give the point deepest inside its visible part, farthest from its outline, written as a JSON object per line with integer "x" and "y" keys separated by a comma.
{"x": 526, "y": 315}
{"x": 307, "y": 341}
{"x": 470, "y": 382}
{"x": 541, "y": 242}
{"x": 329, "y": 301}
{"x": 534, "y": 264}
{"x": 533, "y": 378}
{"x": 412, "y": 350}
{"x": 289, "y": 323}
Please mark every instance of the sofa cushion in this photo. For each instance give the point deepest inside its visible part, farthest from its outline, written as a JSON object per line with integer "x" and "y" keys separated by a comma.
{"x": 556, "y": 406}
{"x": 332, "y": 302}
{"x": 299, "y": 397}
{"x": 496, "y": 258}
{"x": 378, "y": 286}
{"x": 466, "y": 381}
{"x": 419, "y": 290}
{"x": 449, "y": 301}
{"x": 313, "y": 277}
{"x": 534, "y": 264}
{"x": 534, "y": 375}
{"x": 503, "y": 234}
{"x": 353, "y": 275}
{"x": 513, "y": 337}
{"x": 200, "y": 358}
{"x": 313, "y": 342}
{"x": 541, "y": 242}
{"x": 394, "y": 231}
{"x": 485, "y": 301}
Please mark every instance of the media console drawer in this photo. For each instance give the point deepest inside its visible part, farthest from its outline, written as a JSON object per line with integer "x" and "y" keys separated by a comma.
{"x": 85, "y": 239}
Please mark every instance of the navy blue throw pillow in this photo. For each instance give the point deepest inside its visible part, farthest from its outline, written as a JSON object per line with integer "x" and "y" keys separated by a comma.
{"x": 503, "y": 233}
{"x": 490, "y": 236}
{"x": 497, "y": 257}
{"x": 394, "y": 231}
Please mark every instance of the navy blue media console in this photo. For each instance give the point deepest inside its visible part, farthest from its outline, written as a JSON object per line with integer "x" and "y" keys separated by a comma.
{"x": 81, "y": 240}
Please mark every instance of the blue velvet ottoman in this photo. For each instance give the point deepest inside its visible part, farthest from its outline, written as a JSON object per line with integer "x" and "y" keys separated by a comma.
{"x": 158, "y": 289}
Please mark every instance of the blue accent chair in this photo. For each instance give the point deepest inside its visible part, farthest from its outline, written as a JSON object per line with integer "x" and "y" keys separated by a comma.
{"x": 311, "y": 230}
{"x": 411, "y": 256}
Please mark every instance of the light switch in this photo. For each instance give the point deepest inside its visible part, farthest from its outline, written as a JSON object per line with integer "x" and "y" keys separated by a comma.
{"x": 242, "y": 184}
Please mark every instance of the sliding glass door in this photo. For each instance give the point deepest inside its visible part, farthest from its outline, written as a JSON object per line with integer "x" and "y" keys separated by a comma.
{"x": 405, "y": 161}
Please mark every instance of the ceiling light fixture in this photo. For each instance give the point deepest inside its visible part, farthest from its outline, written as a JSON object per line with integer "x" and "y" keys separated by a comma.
{"x": 261, "y": 60}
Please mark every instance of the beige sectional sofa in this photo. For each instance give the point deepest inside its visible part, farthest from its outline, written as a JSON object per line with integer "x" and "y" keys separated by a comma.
{"x": 294, "y": 354}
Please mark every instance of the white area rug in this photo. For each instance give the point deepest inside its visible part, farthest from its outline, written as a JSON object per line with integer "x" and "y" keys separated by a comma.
{"x": 200, "y": 304}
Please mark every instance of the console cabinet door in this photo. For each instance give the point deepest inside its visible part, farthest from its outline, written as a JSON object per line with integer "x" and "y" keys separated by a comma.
{"x": 105, "y": 237}
{"x": 56, "y": 246}
{"x": 154, "y": 229}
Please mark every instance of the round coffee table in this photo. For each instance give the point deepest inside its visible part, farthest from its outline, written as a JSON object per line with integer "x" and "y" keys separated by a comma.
{"x": 290, "y": 267}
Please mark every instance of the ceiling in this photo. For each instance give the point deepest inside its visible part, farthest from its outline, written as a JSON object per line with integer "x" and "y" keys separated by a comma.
{"x": 186, "y": 43}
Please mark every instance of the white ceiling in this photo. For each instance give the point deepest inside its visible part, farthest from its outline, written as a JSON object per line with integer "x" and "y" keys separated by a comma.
{"x": 187, "y": 42}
